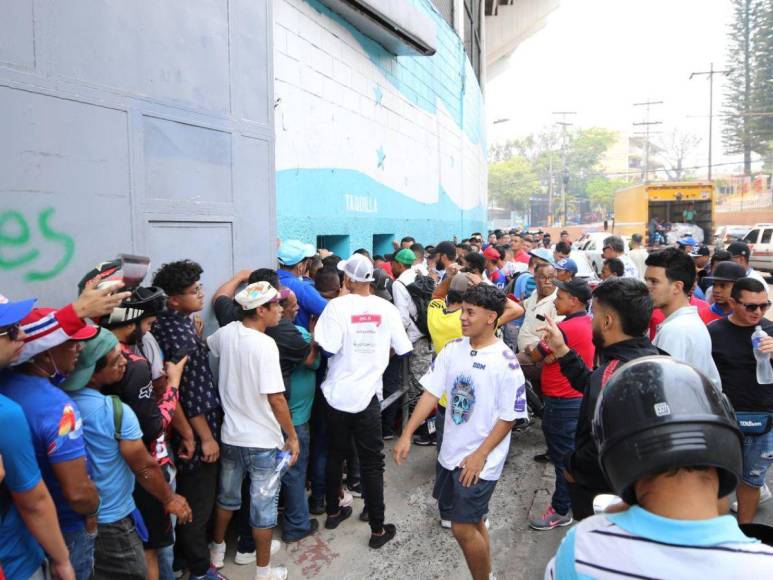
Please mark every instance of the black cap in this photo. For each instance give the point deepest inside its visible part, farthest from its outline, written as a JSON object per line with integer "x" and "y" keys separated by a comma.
{"x": 727, "y": 272}
{"x": 701, "y": 251}
{"x": 447, "y": 248}
{"x": 577, "y": 287}
{"x": 739, "y": 249}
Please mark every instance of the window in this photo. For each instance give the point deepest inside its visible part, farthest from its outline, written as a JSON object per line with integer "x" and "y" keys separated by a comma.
{"x": 766, "y": 236}
{"x": 382, "y": 244}
{"x": 339, "y": 245}
{"x": 751, "y": 237}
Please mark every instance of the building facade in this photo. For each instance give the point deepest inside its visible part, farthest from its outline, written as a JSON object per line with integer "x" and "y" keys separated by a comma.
{"x": 373, "y": 145}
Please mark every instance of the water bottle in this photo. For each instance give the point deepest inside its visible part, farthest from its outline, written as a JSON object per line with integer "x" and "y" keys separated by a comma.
{"x": 764, "y": 369}
{"x": 271, "y": 487}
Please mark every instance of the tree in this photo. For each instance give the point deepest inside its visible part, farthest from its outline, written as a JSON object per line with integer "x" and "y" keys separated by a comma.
{"x": 511, "y": 183}
{"x": 601, "y": 191}
{"x": 673, "y": 149}
{"x": 747, "y": 127}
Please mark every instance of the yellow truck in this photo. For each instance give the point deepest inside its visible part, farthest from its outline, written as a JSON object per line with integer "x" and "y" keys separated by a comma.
{"x": 635, "y": 206}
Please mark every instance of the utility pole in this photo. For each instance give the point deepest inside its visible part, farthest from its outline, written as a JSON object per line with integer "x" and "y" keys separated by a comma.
{"x": 710, "y": 73}
{"x": 647, "y": 124}
{"x": 564, "y": 171}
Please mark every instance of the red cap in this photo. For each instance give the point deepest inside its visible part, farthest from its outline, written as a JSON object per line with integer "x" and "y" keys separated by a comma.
{"x": 492, "y": 253}
{"x": 86, "y": 333}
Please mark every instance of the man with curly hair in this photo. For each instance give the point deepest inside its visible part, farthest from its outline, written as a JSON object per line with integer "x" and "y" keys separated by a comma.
{"x": 197, "y": 437}
{"x": 486, "y": 393}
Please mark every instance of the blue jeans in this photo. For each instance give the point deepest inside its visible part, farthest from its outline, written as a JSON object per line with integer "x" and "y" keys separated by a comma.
{"x": 260, "y": 464}
{"x": 559, "y": 423}
{"x": 81, "y": 546}
{"x": 318, "y": 459}
{"x": 296, "y": 521}
{"x": 166, "y": 555}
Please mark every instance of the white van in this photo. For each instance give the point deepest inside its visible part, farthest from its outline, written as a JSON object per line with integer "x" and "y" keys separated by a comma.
{"x": 760, "y": 240}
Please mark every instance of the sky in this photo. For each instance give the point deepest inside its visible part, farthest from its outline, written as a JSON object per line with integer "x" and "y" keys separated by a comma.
{"x": 598, "y": 57}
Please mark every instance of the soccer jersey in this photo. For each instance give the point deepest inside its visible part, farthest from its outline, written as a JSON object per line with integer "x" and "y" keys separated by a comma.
{"x": 482, "y": 386}
{"x": 639, "y": 544}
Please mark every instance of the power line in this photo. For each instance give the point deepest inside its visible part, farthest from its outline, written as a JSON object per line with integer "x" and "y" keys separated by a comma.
{"x": 710, "y": 73}
{"x": 564, "y": 171}
{"x": 647, "y": 124}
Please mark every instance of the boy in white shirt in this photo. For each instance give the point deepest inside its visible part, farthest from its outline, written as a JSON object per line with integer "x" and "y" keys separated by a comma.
{"x": 358, "y": 332}
{"x": 486, "y": 392}
{"x": 255, "y": 415}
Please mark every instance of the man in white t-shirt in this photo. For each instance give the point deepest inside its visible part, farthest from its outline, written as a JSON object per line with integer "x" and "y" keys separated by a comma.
{"x": 255, "y": 415}
{"x": 486, "y": 392}
{"x": 614, "y": 247}
{"x": 358, "y": 333}
{"x": 741, "y": 253}
{"x": 670, "y": 276}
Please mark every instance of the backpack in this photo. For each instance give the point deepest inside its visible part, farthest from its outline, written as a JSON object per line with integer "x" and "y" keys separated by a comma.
{"x": 117, "y": 416}
{"x": 421, "y": 291}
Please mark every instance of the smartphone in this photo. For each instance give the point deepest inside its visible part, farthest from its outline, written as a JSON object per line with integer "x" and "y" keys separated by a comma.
{"x": 134, "y": 269}
{"x": 540, "y": 318}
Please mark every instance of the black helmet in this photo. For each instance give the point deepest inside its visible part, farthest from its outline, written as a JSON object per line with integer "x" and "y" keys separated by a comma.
{"x": 657, "y": 414}
{"x": 143, "y": 303}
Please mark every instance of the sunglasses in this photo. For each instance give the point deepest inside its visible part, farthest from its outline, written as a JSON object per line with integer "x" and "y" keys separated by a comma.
{"x": 753, "y": 307}
{"x": 12, "y": 331}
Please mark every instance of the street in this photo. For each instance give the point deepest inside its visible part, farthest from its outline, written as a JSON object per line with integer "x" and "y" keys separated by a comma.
{"x": 423, "y": 550}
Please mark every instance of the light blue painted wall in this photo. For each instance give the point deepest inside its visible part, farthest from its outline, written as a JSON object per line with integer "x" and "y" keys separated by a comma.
{"x": 339, "y": 201}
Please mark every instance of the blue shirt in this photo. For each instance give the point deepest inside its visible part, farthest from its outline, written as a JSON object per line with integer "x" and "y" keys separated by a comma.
{"x": 310, "y": 302}
{"x": 112, "y": 475}
{"x": 699, "y": 293}
{"x": 19, "y": 552}
{"x": 57, "y": 436}
{"x": 524, "y": 286}
{"x": 717, "y": 309}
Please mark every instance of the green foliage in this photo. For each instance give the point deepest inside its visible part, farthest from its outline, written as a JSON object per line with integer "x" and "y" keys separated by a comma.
{"x": 601, "y": 191}
{"x": 511, "y": 182}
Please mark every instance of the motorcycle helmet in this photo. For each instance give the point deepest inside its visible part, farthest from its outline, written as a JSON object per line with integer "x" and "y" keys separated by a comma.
{"x": 657, "y": 414}
{"x": 145, "y": 301}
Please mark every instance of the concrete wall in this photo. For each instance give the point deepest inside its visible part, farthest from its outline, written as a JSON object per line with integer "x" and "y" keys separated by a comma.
{"x": 140, "y": 127}
{"x": 369, "y": 145}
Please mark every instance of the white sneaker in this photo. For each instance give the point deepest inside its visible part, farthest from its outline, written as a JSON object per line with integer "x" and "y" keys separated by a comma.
{"x": 347, "y": 500}
{"x": 486, "y": 523}
{"x": 243, "y": 558}
{"x": 445, "y": 524}
{"x": 217, "y": 554}
{"x": 277, "y": 573}
{"x": 765, "y": 496}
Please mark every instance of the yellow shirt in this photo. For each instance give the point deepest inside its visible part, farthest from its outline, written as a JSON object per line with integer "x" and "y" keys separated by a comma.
{"x": 443, "y": 327}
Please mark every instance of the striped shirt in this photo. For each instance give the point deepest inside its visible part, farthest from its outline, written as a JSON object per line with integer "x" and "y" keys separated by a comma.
{"x": 639, "y": 544}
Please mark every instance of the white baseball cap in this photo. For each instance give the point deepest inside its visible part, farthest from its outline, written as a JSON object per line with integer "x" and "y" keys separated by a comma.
{"x": 260, "y": 294}
{"x": 358, "y": 268}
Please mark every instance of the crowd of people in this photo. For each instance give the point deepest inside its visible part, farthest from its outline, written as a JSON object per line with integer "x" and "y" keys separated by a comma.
{"x": 131, "y": 435}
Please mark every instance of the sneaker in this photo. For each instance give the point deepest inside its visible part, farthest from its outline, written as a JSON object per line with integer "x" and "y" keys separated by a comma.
{"x": 217, "y": 554}
{"x": 313, "y": 527}
{"x": 445, "y": 524}
{"x": 389, "y": 532}
{"x": 765, "y": 496}
{"x": 243, "y": 558}
{"x": 542, "y": 458}
{"x": 332, "y": 522}
{"x": 316, "y": 506}
{"x": 388, "y": 436}
{"x": 347, "y": 500}
{"x": 550, "y": 519}
{"x": 487, "y": 524}
{"x": 212, "y": 574}
{"x": 423, "y": 440}
{"x": 364, "y": 517}
{"x": 277, "y": 573}
{"x": 355, "y": 488}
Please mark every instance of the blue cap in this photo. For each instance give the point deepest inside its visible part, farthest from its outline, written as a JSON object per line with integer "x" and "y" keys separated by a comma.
{"x": 543, "y": 254}
{"x": 567, "y": 264}
{"x": 293, "y": 251}
{"x": 13, "y": 312}
{"x": 689, "y": 241}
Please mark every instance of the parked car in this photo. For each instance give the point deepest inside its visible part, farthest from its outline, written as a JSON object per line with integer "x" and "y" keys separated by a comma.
{"x": 726, "y": 235}
{"x": 592, "y": 246}
{"x": 761, "y": 244}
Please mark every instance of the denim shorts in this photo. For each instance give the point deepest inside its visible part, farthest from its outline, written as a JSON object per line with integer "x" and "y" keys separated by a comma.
{"x": 235, "y": 463}
{"x": 757, "y": 458}
{"x": 463, "y": 505}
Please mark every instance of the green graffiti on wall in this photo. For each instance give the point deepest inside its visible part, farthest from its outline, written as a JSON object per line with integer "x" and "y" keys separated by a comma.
{"x": 15, "y": 242}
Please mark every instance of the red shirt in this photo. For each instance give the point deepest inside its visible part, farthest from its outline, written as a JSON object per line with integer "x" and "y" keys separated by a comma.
{"x": 578, "y": 334}
{"x": 522, "y": 257}
{"x": 704, "y": 311}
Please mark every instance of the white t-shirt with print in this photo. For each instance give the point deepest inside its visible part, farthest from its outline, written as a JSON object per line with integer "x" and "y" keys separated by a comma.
{"x": 248, "y": 371}
{"x": 359, "y": 332}
{"x": 482, "y": 386}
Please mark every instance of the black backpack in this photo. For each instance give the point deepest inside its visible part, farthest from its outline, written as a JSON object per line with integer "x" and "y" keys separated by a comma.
{"x": 421, "y": 291}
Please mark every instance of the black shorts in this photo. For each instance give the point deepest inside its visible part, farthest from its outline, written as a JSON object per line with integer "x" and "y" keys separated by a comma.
{"x": 463, "y": 505}
{"x": 157, "y": 521}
